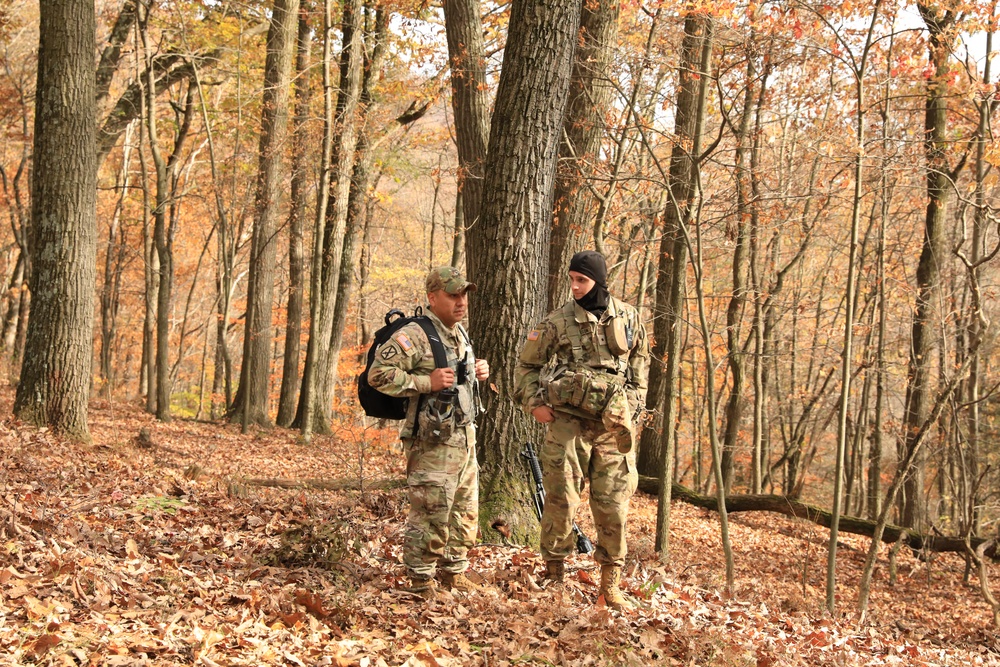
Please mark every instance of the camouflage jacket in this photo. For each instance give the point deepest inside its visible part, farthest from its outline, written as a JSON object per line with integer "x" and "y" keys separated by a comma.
{"x": 403, "y": 365}
{"x": 572, "y": 339}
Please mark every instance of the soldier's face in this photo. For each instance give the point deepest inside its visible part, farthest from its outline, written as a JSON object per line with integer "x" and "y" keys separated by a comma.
{"x": 580, "y": 284}
{"x": 449, "y": 308}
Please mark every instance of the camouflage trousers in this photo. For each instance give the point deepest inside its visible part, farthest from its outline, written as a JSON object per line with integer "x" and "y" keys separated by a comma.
{"x": 577, "y": 450}
{"x": 443, "y": 481}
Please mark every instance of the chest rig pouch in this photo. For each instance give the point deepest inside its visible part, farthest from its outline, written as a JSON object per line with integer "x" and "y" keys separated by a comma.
{"x": 445, "y": 411}
{"x": 581, "y": 388}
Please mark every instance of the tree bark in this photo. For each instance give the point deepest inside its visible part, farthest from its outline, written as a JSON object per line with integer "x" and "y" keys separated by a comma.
{"x": 508, "y": 246}
{"x": 361, "y": 176}
{"x": 318, "y": 391}
{"x": 114, "y": 263}
{"x": 251, "y": 403}
{"x": 919, "y": 384}
{"x": 467, "y": 58}
{"x": 590, "y": 94}
{"x": 55, "y": 379}
{"x": 296, "y": 216}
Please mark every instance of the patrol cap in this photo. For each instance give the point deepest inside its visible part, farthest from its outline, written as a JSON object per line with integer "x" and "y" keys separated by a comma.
{"x": 449, "y": 279}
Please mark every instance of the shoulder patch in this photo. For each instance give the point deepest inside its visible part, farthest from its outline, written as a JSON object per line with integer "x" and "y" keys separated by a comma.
{"x": 388, "y": 352}
{"x": 404, "y": 342}
{"x": 534, "y": 334}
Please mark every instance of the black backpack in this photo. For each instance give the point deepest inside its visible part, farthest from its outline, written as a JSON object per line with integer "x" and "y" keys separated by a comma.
{"x": 374, "y": 402}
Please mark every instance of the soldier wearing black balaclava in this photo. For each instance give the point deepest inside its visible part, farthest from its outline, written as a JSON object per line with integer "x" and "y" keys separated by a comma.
{"x": 583, "y": 373}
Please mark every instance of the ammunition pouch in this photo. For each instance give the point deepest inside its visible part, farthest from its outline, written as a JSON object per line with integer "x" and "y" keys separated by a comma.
{"x": 440, "y": 416}
{"x": 585, "y": 391}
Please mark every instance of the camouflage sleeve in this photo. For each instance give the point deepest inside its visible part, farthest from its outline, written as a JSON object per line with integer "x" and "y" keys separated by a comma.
{"x": 638, "y": 362}
{"x": 539, "y": 345}
{"x": 396, "y": 360}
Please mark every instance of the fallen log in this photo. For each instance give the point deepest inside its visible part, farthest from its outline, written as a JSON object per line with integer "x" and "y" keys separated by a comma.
{"x": 319, "y": 484}
{"x": 800, "y": 510}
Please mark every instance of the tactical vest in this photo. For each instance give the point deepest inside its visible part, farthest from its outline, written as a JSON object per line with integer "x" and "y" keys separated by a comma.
{"x": 441, "y": 413}
{"x": 584, "y": 382}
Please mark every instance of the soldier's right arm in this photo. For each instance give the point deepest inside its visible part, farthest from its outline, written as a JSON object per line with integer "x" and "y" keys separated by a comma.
{"x": 395, "y": 369}
{"x": 539, "y": 346}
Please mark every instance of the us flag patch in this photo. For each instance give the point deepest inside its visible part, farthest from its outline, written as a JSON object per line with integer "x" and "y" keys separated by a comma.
{"x": 534, "y": 334}
{"x": 404, "y": 342}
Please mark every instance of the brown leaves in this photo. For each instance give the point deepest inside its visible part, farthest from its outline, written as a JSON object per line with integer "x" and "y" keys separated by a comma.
{"x": 133, "y": 572}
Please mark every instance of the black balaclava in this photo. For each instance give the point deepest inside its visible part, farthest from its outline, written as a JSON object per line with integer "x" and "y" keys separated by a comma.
{"x": 592, "y": 265}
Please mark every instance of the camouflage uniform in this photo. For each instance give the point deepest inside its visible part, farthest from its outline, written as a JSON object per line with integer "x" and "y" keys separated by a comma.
{"x": 441, "y": 468}
{"x": 568, "y": 364}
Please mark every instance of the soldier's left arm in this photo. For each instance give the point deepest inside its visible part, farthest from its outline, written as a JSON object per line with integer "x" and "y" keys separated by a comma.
{"x": 638, "y": 362}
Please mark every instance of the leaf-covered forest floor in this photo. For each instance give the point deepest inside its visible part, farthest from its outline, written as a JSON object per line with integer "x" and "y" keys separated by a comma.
{"x": 130, "y": 553}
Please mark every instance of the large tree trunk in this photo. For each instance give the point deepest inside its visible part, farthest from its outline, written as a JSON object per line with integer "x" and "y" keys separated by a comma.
{"x": 251, "y": 403}
{"x": 590, "y": 94}
{"x": 55, "y": 379}
{"x": 296, "y": 216}
{"x": 919, "y": 381}
{"x": 467, "y": 57}
{"x": 508, "y": 247}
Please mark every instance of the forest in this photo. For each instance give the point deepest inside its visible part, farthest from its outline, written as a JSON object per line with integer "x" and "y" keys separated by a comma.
{"x": 209, "y": 208}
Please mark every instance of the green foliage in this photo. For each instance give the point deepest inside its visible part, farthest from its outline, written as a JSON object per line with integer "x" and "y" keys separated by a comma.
{"x": 152, "y": 505}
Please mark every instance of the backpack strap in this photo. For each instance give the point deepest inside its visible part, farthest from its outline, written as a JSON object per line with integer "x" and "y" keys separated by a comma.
{"x": 437, "y": 347}
{"x": 440, "y": 360}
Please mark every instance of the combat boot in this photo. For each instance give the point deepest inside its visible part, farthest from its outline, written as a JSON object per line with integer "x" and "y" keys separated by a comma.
{"x": 422, "y": 587}
{"x": 458, "y": 581}
{"x": 555, "y": 571}
{"x": 611, "y": 576}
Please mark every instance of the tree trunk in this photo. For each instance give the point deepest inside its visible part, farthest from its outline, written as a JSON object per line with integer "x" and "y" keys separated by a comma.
{"x": 251, "y": 403}
{"x": 467, "y": 57}
{"x": 738, "y": 234}
{"x": 919, "y": 385}
{"x": 318, "y": 393}
{"x": 792, "y": 507}
{"x": 361, "y": 177}
{"x": 657, "y": 444}
{"x": 508, "y": 246}
{"x": 114, "y": 262}
{"x": 296, "y": 249}
{"x": 590, "y": 94}
{"x": 305, "y": 417}
{"x": 55, "y": 379}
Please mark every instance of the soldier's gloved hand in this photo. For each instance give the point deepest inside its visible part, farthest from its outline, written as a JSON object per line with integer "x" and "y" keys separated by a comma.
{"x": 442, "y": 378}
{"x": 482, "y": 370}
{"x": 543, "y": 414}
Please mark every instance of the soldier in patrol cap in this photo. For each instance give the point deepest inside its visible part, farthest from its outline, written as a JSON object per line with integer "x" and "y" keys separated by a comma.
{"x": 438, "y": 434}
{"x": 583, "y": 372}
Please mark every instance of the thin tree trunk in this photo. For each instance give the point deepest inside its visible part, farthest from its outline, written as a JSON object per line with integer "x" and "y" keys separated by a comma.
{"x": 296, "y": 217}
{"x": 251, "y": 403}
{"x": 658, "y": 444}
{"x": 114, "y": 260}
{"x": 305, "y": 418}
{"x": 334, "y": 225}
{"x": 739, "y": 235}
{"x": 360, "y": 180}
{"x": 936, "y": 141}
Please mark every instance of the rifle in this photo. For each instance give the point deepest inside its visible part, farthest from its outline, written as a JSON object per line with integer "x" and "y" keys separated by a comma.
{"x": 583, "y": 544}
